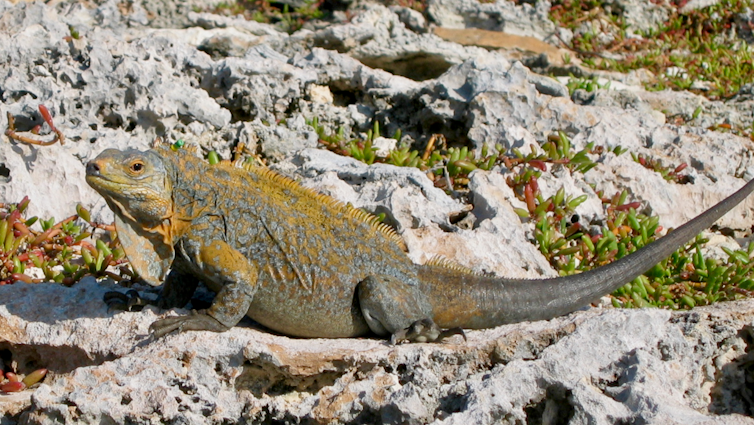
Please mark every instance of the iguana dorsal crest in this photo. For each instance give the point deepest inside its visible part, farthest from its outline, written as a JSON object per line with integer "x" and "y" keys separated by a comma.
{"x": 150, "y": 251}
{"x": 347, "y": 209}
{"x": 440, "y": 261}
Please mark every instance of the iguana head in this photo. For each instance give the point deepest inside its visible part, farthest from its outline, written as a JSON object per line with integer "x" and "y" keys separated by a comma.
{"x": 137, "y": 187}
{"x": 134, "y": 183}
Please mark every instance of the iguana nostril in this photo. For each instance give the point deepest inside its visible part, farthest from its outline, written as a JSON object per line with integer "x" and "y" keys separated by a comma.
{"x": 92, "y": 168}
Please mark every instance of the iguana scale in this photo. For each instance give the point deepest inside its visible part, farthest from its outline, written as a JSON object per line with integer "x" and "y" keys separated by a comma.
{"x": 305, "y": 265}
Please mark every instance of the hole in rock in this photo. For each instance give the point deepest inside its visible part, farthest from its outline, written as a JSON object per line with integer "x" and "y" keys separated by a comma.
{"x": 264, "y": 378}
{"x": 343, "y": 97}
{"x": 734, "y": 388}
{"x": 449, "y": 404}
{"x": 58, "y": 360}
{"x": 553, "y": 409}
{"x": 110, "y": 118}
{"x": 125, "y": 400}
{"x": 4, "y": 172}
{"x": 417, "y": 66}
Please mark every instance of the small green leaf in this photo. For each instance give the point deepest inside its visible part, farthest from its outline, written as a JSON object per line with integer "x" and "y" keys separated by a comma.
{"x": 102, "y": 247}
{"x": 577, "y": 201}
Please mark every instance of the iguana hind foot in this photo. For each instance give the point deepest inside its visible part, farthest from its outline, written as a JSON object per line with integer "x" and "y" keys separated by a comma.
{"x": 393, "y": 307}
{"x": 424, "y": 330}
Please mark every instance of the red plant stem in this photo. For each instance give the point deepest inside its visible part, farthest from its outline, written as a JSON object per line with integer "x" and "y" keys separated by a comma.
{"x": 626, "y": 207}
{"x": 11, "y": 131}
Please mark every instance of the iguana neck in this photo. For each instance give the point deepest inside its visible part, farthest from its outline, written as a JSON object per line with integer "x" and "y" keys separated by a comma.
{"x": 186, "y": 204}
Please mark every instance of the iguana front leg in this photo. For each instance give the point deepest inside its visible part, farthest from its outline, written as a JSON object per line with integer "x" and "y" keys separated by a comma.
{"x": 228, "y": 273}
{"x": 177, "y": 290}
{"x": 179, "y": 286}
{"x": 399, "y": 309}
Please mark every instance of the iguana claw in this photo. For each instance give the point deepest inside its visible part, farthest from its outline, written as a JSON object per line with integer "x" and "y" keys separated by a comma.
{"x": 425, "y": 330}
{"x": 194, "y": 322}
{"x": 130, "y": 301}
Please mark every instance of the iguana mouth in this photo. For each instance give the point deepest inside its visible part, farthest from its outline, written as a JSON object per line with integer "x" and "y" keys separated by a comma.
{"x": 98, "y": 180}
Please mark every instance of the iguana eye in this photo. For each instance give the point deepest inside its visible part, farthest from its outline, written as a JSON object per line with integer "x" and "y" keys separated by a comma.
{"x": 137, "y": 166}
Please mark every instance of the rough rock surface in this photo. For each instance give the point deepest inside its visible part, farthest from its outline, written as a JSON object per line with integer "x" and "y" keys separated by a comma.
{"x": 119, "y": 74}
{"x": 599, "y": 366}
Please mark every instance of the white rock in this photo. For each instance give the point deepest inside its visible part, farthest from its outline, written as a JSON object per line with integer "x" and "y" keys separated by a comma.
{"x": 319, "y": 94}
{"x": 519, "y": 19}
{"x": 383, "y": 145}
{"x": 639, "y": 365}
{"x": 120, "y": 85}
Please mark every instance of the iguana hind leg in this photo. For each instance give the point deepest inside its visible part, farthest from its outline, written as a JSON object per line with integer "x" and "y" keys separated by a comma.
{"x": 425, "y": 330}
{"x": 396, "y": 308}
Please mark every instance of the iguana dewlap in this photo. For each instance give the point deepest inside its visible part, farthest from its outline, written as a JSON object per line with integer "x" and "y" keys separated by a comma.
{"x": 303, "y": 264}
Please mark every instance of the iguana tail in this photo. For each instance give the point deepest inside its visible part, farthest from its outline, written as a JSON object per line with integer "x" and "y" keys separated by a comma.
{"x": 472, "y": 301}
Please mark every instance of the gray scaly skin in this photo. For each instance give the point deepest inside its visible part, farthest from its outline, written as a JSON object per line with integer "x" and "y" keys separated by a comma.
{"x": 305, "y": 265}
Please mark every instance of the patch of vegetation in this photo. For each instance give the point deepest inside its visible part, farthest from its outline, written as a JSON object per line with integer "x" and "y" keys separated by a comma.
{"x": 588, "y": 84}
{"x": 449, "y": 167}
{"x": 668, "y": 173}
{"x": 268, "y": 12}
{"x": 684, "y": 280}
{"x": 11, "y": 381}
{"x": 699, "y": 46}
{"x": 61, "y": 251}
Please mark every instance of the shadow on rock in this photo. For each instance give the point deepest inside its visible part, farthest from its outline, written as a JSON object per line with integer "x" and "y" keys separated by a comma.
{"x": 734, "y": 390}
{"x": 50, "y": 303}
{"x": 28, "y": 314}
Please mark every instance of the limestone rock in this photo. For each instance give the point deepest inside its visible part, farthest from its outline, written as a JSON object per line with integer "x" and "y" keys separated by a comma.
{"x": 118, "y": 77}
{"x": 379, "y": 39}
{"x": 598, "y": 366}
{"x": 526, "y": 19}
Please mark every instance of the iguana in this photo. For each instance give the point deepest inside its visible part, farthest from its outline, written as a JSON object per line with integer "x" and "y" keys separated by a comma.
{"x": 303, "y": 264}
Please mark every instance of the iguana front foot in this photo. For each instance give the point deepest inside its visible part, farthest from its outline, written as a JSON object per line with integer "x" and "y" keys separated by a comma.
{"x": 130, "y": 301}
{"x": 424, "y": 330}
{"x": 194, "y": 322}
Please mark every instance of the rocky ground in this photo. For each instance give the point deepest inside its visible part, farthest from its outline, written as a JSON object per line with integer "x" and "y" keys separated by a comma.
{"x": 119, "y": 74}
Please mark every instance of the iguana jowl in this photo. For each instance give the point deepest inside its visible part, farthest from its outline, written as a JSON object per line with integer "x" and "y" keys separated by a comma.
{"x": 303, "y": 264}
